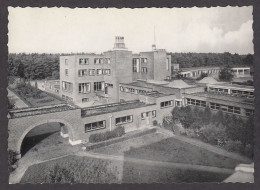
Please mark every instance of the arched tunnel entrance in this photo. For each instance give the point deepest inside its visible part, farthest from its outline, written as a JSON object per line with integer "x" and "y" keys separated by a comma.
{"x": 43, "y": 132}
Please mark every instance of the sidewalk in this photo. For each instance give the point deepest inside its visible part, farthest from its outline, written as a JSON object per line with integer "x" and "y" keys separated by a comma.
{"x": 18, "y": 102}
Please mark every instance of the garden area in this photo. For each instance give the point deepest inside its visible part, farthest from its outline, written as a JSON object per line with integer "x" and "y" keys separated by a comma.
{"x": 229, "y": 132}
{"x": 32, "y": 96}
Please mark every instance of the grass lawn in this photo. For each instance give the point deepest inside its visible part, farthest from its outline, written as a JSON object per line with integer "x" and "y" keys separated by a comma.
{"x": 173, "y": 150}
{"x": 139, "y": 173}
{"x": 84, "y": 170}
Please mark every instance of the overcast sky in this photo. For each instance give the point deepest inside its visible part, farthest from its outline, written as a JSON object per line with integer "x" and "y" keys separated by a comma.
{"x": 64, "y": 30}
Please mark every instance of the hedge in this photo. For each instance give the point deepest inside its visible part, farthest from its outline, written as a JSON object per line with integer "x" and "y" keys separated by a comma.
{"x": 99, "y": 137}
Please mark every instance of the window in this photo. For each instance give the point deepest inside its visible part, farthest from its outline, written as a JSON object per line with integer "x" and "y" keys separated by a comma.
{"x": 154, "y": 113}
{"x": 125, "y": 119}
{"x": 178, "y": 103}
{"x": 143, "y": 116}
{"x": 83, "y": 61}
{"x": 107, "y": 60}
{"x": 66, "y": 72}
{"x": 85, "y": 100}
{"x": 91, "y": 72}
{"x": 166, "y": 104}
{"x": 95, "y": 126}
{"x": 109, "y": 85}
{"x": 107, "y": 71}
{"x": 199, "y": 103}
{"x": 98, "y": 86}
{"x": 84, "y": 88}
{"x": 144, "y": 69}
{"x": 131, "y": 90}
{"x": 66, "y": 62}
{"x": 82, "y": 72}
{"x": 98, "y": 61}
{"x": 136, "y": 65}
{"x": 67, "y": 86}
{"x": 143, "y": 60}
{"x": 99, "y": 71}
{"x": 122, "y": 89}
{"x": 249, "y": 112}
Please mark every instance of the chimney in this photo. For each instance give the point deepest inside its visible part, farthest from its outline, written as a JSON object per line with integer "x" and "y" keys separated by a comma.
{"x": 119, "y": 43}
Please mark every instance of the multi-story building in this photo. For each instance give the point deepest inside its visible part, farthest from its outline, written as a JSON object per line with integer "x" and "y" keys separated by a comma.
{"x": 92, "y": 79}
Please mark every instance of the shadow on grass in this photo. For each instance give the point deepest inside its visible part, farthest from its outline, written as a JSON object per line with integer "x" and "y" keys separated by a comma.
{"x": 175, "y": 151}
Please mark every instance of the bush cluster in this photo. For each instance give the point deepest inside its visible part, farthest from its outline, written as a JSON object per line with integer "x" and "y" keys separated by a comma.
{"x": 223, "y": 130}
{"x": 99, "y": 137}
{"x": 26, "y": 90}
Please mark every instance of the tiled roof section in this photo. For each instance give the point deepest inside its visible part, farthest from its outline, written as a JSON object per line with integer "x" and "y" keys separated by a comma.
{"x": 115, "y": 107}
{"x": 178, "y": 84}
{"x": 208, "y": 80}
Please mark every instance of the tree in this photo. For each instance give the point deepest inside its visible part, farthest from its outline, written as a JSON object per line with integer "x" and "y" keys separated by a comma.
{"x": 20, "y": 71}
{"x": 55, "y": 74}
{"x": 225, "y": 74}
{"x": 206, "y": 115}
{"x": 11, "y": 159}
{"x": 203, "y": 75}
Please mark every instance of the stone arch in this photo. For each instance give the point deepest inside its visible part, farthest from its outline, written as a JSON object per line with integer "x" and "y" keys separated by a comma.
{"x": 28, "y": 129}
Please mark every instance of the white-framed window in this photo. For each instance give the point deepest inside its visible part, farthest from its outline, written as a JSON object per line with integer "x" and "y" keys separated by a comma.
{"x": 83, "y": 61}
{"x": 66, "y": 72}
{"x": 107, "y": 71}
{"x": 66, "y": 62}
{"x": 95, "y": 126}
{"x": 136, "y": 65}
{"x": 91, "y": 72}
{"x": 84, "y": 88}
{"x": 82, "y": 72}
{"x": 123, "y": 120}
{"x": 85, "y": 100}
{"x": 143, "y": 60}
{"x": 143, "y": 115}
{"x": 98, "y": 61}
{"x": 107, "y": 60}
{"x": 167, "y": 104}
{"x": 99, "y": 86}
{"x": 99, "y": 72}
{"x": 122, "y": 89}
{"x": 154, "y": 113}
{"x": 144, "y": 69}
{"x": 67, "y": 86}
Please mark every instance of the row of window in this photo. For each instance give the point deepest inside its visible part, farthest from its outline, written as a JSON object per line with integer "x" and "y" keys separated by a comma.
{"x": 85, "y": 61}
{"x": 95, "y": 126}
{"x": 233, "y": 92}
{"x": 85, "y": 87}
{"x": 92, "y": 72}
{"x": 196, "y": 102}
{"x": 225, "y": 108}
{"x": 167, "y": 104}
{"x": 132, "y": 90}
{"x": 146, "y": 114}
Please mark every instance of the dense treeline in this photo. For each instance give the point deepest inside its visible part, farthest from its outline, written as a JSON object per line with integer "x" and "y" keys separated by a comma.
{"x": 40, "y": 66}
{"x": 34, "y": 66}
{"x": 211, "y": 59}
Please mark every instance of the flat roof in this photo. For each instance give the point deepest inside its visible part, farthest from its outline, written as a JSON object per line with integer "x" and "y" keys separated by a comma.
{"x": 233, "y": 85}
{"x": 156, "y": 94}
{"x": 197, "y": 68}
{"x": 223, "y": 97}
{"x": 25, "y": 112}
{"x": 115, "y": 107}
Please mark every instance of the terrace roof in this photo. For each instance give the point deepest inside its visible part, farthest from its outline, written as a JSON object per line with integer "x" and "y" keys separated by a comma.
{"x": 25, "y": 112}
{"x": 233, "y": 85}
{"x": 224, "y": 97}
{"x": 115, "y": 107}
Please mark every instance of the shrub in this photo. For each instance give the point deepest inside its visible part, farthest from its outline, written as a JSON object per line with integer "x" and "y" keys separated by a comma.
{"x": 99, "y": 137}
{"x": 233, "y": 146}
{"x": 213, "y": 134}
{"x": 11, "y": 159}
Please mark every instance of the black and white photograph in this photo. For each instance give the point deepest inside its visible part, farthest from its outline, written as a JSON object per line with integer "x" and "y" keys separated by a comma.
{"x": 143, "y": 95}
